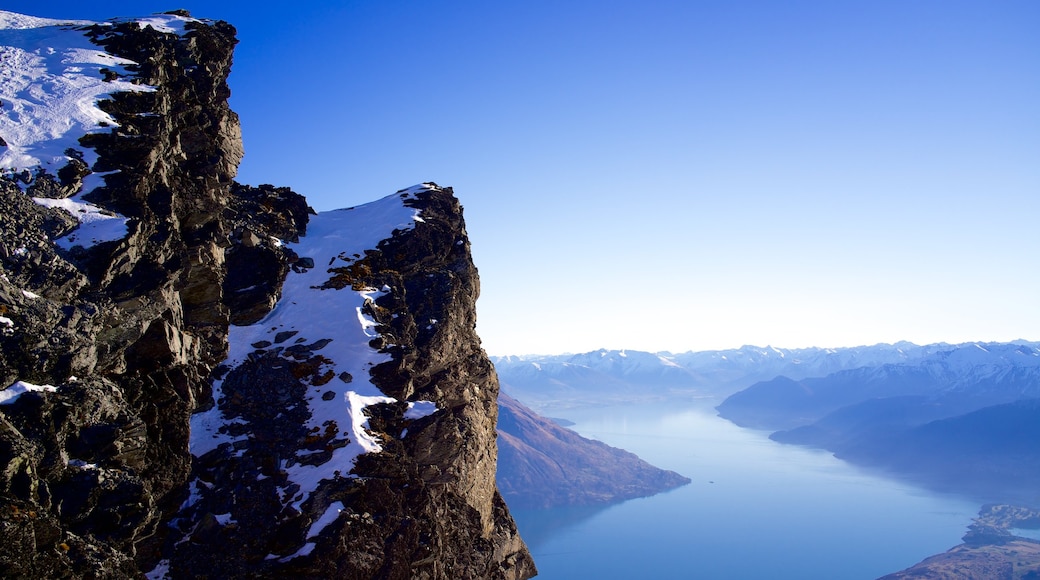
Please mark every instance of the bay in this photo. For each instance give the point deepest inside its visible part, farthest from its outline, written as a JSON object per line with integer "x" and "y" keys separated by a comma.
{"x": 755, "y": 509}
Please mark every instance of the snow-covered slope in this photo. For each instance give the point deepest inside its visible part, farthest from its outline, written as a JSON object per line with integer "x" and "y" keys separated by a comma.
{"x": 331, "y": 322}
{"x": 51, "y": 81}
{"x": 356, "y": 404}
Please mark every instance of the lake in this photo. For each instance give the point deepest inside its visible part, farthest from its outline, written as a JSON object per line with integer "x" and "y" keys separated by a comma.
{"x": 755, "y": 509}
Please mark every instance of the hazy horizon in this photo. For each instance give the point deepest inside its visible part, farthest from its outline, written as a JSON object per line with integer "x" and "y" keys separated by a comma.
{"x": 766, "y": 346}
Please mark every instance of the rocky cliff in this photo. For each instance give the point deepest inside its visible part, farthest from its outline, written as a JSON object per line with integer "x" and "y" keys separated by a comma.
{"x": 204, "y": 379}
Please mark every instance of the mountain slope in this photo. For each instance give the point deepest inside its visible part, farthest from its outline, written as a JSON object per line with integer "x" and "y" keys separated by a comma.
{"x": 543, "y": 465}
{"x": 958, "y": 377}
{"x": 961, "y": 419}
{"x": 990, "y": 452}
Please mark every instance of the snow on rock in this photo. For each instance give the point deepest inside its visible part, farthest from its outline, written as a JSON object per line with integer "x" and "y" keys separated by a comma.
{"x": 19, "y": 388}
{"x": 330, "y": 515}
{"x": 160, "y": 572}
{"x": 224, "y": 519}
{"x": 335, "y": 319}
{"x": 15, "y": 21}
{"x": 208, "y": 429}
{"x": 420, "y": 409}
{"x": 96, "y": 225}
{"x": 50, "y": 85}
{"x": 167, "y": 23}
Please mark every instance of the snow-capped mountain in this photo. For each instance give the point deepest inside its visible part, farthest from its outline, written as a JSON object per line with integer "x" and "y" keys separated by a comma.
{"x": 961, "y": 419}
{"x": 962, "y": 377}
{"x": 604, "y": 375}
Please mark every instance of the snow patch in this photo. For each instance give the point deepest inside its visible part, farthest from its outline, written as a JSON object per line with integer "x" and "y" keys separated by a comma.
{"x": 193, "y": 494}
{"x": 167, "y": 23}
{"x": 50, "y": 85}
{"x": 330, "y": 515}
{"x": 420, "y": 409}
{"x": 336, "y": 238}
{"x": 160, "y": 572}
{"x": 304, "y": 551}
{"x": 19, "y": 388}
{"x": 224, "y": 519}
{"x": 208, "y": 427}
{"x": 668, "y": 362}
{"x": 15, "y": 21}
{"x": 96, "y": 225}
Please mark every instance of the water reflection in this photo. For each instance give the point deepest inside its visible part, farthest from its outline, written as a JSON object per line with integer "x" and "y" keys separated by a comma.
{"x": 540, "y": 526}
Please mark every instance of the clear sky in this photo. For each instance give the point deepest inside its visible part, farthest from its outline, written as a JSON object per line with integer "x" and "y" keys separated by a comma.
{"x": 673, "y": 175}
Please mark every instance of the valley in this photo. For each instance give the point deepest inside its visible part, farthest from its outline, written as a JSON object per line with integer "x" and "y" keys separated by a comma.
{"x": 945, "y": 421}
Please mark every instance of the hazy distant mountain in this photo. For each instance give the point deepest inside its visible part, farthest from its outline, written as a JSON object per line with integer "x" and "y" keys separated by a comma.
{"x": 938, "y": 412}
{"x": 606, "y": 376}
{"x": 543, "y": 465}
{"x": 991, "y": 452}
{"x": 951, "y": 381}
{"x": 964, "y": 419}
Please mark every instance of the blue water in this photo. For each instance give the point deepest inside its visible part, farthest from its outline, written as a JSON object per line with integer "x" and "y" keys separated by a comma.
{"x": 1031, "y": 533}
{"x": 755, "y": 509}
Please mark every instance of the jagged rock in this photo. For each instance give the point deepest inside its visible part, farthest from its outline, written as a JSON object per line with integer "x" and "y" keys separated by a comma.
{"x": 128, "y": 341}
{"x": 425, "y": 505}
{"x": 264, "y": 216}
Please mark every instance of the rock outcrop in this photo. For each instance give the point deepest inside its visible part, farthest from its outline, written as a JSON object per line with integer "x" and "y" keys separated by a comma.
{"x": 153, "y": 418}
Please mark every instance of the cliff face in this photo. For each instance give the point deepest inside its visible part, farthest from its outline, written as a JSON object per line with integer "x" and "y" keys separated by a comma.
{"x": 163, "y": 411}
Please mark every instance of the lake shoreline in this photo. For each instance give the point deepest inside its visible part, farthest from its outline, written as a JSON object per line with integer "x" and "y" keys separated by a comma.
{"x": 755, "y": 508}
{"x": 990, "y": 549}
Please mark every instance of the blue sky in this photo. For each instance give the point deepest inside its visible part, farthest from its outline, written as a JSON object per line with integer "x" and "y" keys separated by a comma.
{"x": 673, "y": 175}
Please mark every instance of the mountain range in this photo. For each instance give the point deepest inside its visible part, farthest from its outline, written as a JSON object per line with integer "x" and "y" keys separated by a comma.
{"x": 955, "y": 417}
{"x": 558, "y": 381}
{"x": 962, "y": 419}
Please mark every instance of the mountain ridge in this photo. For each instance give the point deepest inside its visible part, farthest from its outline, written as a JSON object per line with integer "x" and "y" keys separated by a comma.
{"x": 555, "y": 381}
{"x": 176, "y": 401}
